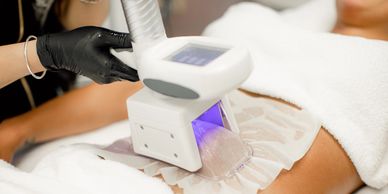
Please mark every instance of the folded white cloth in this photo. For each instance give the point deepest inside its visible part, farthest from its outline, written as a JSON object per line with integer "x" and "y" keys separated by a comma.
{"x": 56, "y": 168}
{"x": 27, "y": 161}
{"x": 342, "y": 80}
{"x": 78, "y": 171}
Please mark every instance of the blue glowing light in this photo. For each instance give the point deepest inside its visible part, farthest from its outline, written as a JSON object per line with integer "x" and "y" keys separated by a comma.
{"x": 207, "y": 122}
{"x": 212, "y": 115}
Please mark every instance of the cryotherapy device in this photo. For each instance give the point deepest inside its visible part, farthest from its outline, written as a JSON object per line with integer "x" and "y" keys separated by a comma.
{"x": 186, "y": 80}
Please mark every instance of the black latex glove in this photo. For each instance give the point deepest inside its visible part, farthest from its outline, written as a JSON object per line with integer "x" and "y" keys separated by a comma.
{"x": 85, "y": 51}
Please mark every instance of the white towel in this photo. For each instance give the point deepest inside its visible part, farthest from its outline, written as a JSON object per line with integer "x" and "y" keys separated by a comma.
{"x": 75, "y": 172}
{"x": 58, "y": 168}
{"x": 341, "y": 79}
{"x": 78, "y": 171}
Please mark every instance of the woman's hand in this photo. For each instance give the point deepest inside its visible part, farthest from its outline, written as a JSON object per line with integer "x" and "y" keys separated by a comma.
{"x": 10, "y": 140}
{"x": 86, "y": 51}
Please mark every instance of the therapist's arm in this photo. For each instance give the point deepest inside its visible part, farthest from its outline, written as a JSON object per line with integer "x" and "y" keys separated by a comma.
{"x": 79, "y": 111}
{"x": 13, "y": 65}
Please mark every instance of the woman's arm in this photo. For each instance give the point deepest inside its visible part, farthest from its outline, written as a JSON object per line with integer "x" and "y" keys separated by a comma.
{"x": 74, "y": 13}
{"x": 12, "y": 62}
{"x": 79, "y": 111}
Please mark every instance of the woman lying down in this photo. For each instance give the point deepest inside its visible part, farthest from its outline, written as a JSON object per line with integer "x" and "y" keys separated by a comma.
{"x": 330, "y": 139}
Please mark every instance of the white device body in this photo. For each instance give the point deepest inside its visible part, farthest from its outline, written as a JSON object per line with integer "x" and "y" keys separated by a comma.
{"x": 161, "y": 128}
{"x": 160, "y": 116}
{"x": 210, "y": 81}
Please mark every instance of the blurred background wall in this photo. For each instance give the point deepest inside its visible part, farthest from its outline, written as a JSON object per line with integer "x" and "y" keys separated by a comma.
{"x": 187, "y": 17}
{"x": 190, "y": 17}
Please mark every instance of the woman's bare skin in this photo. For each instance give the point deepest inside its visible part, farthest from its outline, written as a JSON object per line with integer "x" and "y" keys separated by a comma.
{"x": 364, "y": 18}
{"x": 325, "y": 168}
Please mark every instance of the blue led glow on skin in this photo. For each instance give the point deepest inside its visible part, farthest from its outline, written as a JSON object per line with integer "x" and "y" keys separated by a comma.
{"x": 207, "y": 123}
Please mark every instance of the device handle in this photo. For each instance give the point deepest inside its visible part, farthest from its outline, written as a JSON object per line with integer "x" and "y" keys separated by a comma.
{"x": 127, "y": 56}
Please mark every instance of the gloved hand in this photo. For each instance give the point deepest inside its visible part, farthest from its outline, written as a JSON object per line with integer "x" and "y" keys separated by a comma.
{"x": 85, "y": 51}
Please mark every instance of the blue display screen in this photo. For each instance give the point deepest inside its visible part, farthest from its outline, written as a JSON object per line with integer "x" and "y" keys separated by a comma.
{"x": 197, "y": 55}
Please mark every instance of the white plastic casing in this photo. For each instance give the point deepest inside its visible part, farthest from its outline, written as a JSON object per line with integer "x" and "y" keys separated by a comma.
{"x": 161, "y": 127}
{"x": 211, "y": 81}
